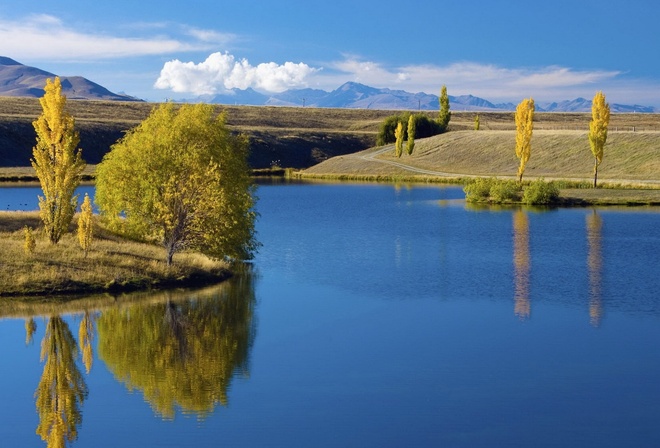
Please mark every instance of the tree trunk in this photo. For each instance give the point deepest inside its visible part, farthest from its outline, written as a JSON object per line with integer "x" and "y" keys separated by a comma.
{"x": 595, "y": 173}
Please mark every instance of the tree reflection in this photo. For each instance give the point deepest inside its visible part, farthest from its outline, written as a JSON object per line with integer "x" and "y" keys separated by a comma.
{"x": 521, "y": 263}
{"x": 30, "y": 329}
{"x": 595, "y": 266}
{"x": 62, "y": 388}
{"x": 181, "y": 353}
{"x": 86, "y": 338}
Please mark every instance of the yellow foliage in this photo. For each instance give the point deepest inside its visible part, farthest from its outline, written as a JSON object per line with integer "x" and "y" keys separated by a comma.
{"x": 600, "y": 120}
{"x": 182, "y": 179}
{"x": 56, "y": 162}
{"x": 524, "y": 126}
{"x": 30, "y": 244}
{"x": 85, "y": 225}
{"x": 398, "y": 133}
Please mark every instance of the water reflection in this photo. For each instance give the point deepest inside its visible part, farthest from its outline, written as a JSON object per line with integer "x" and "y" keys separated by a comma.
{"x": 595, "y": 267}
{"x": 62, "y": 388}
{"x": 521, "y": 262}
{"x": 181, "y": 353}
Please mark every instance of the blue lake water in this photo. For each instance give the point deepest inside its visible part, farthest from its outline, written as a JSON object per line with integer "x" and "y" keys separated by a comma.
{"x": 375, "y": 316}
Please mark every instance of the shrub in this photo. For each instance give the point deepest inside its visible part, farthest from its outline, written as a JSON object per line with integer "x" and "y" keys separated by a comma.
{"x": 478, "y": 190}
{"x": 540, "y": 192}
{"x": 504, "y": 191}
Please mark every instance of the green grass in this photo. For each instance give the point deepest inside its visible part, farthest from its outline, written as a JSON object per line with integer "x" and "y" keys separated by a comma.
{"x": 113, "y": 264}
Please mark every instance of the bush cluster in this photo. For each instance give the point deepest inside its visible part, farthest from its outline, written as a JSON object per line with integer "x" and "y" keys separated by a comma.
{"x": 424, "y": 127}
{"x": 499, "y": 191}
{"x": 540, "y": 192}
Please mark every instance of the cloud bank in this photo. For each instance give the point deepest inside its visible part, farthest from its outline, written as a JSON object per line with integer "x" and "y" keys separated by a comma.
{"x": 221, "y": 72}
{"x": 485, "y": 80}
{"x": 34, "y": 36}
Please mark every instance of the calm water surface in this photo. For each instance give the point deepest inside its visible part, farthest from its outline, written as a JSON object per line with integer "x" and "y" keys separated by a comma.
{"x": 375, "y": 316}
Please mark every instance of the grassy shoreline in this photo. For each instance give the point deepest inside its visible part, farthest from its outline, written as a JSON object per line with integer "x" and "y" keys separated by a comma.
{"x": 113, "y": 265}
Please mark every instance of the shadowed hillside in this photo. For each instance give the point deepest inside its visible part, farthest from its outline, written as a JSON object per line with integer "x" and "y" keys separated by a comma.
{"x": 293, "y": 137}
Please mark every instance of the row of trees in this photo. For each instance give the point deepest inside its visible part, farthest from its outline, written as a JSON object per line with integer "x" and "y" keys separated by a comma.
{"x": 395, "y": 130}
{"x": 180, "y": 178}
{"x": 600, "y": 119}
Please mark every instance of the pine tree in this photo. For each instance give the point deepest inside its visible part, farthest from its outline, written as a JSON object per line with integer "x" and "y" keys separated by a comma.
{"x": 524, "y": 126}
{"x": 57, "y": 163}
{"x": 600, "y": 120}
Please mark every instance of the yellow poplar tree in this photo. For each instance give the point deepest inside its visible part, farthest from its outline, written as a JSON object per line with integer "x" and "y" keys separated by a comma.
{"x": 398, "y": 133}
{"x": 410, "y": 145}
{"x": 444, "y": 115}
{"x": 56, "y": 161}
{"x": 600, "y": 120}
{"x": 85, "y": 234}
{"x": 524, "y": 127}
{"x": 30, "y": 244}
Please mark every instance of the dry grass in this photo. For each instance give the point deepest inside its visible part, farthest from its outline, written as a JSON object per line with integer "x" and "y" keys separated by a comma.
{"x": 630, "y": 157}
{"x": 113, "y": 264}
{"x": 565, "y": 154}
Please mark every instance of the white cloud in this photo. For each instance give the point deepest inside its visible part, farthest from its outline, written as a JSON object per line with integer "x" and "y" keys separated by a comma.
{"x": 47, "y": 37}
{"x": 489, "y": 81}
{"x": 221, "y": 71}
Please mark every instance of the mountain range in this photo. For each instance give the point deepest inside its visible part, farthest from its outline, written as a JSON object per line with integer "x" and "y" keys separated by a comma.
{"x": 359, "y": 96}
{"x": 20, "y": 80}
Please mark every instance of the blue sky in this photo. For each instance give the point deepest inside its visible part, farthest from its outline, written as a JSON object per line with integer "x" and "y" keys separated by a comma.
{"x": 499, "y": 50}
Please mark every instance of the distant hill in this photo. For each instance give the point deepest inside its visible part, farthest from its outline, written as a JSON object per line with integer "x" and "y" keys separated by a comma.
{"x": 21, "y": 80}
{"x": 352, "y": 95}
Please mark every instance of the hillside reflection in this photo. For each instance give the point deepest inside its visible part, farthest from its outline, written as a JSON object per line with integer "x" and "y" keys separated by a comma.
{"x": 181, "y": 353}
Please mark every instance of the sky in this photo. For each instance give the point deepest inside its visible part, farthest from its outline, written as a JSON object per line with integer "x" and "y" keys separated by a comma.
{"x": 500, "y": 50}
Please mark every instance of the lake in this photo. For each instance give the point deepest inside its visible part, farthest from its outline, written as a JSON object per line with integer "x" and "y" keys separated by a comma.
{"x": 373, "y": 316}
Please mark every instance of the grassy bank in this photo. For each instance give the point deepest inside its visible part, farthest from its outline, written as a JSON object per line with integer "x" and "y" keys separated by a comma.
{"x": 113, "y": 265}
{"x": 631, "y": 163}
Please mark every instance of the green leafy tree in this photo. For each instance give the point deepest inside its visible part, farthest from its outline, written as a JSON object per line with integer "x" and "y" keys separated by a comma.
{"x": 57, "y": 163}
{"x": 398, "y": 146}
{"x": 424, "y": 127}
{"x": 600, "y": 120}
{"x": 182, "y": 179}
{"x": 181, "y": 352}
{"x": 62, "y": 388}
{"x": 444, "y": 115}
{"x": 524, "y": 126}
{"x": 410, "y": 144}
{"x": 85, "y": 225}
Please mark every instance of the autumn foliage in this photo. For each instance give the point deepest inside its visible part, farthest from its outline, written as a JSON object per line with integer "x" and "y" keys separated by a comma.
{"x": 57, "y": 162}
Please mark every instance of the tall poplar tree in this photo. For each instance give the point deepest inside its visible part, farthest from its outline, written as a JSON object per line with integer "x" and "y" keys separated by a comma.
{"x": 410, "y": 144}
{"x": 57, "y": 162}
{"x": 600, "y": 120}
{"x": 444, "y": 115}
{"x": 524, "y": 126}
{"x": 398, "y": 133}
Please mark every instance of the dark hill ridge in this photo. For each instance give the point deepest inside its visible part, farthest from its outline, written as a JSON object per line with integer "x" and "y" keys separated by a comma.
{"x": 21, "y": 80}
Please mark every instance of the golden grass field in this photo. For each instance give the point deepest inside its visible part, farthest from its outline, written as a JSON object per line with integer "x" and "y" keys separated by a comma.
{"x": 112, "y": 265}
